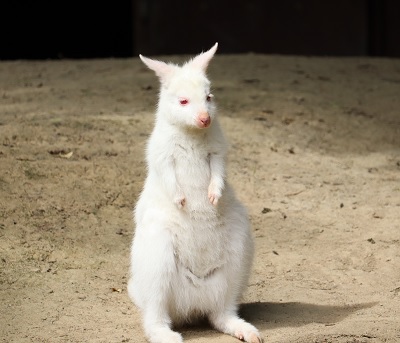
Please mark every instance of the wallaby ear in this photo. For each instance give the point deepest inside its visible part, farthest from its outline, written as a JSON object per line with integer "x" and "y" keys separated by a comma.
{"x": 201, "y": 61}
{"x": 162, "y": 69}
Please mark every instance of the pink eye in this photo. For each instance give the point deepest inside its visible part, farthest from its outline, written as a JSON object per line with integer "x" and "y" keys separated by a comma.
{"x": 209, "y": 97}
{"x": 183, "y": 102}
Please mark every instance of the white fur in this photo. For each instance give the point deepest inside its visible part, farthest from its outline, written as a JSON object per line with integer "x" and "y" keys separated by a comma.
{"x": 192, "y": 250}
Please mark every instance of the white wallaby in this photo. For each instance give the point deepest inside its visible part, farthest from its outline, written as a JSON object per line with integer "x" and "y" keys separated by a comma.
{"x": 192, "y": 250}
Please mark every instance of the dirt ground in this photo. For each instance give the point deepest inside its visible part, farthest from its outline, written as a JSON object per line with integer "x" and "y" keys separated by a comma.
{"x": 315, "y": 157}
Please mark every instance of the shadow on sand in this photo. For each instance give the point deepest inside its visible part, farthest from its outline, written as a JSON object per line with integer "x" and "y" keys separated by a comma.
{"x": 266, "y": 315}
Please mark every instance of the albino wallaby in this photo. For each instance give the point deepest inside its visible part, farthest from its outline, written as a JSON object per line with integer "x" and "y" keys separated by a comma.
{"x": 192, "y": 250}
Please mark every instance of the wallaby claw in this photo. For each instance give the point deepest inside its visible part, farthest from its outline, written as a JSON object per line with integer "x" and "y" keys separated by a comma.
{"x": 180, "y": 202}
{"x": 213, "y": 199}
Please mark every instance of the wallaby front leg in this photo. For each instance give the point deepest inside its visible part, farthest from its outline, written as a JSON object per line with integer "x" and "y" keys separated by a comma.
{"x": 217, "y": 181}
{"x": 168, "y": 174}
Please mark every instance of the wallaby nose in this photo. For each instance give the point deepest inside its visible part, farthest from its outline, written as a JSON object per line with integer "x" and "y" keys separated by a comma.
{"x": 204, "y": 119}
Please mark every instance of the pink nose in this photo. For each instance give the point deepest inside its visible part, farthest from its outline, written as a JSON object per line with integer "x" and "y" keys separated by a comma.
{"x": 204, "y": 119}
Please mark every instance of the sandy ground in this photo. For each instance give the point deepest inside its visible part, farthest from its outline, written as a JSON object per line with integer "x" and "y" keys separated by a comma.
{"x": 315, "y": 157}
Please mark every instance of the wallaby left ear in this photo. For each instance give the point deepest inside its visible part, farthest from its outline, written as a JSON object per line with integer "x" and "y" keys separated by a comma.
{"x": 162, "y": 69}
{"x": 201, "y": 61}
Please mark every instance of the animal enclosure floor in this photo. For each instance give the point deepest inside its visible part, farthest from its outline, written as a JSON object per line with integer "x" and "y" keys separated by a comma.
{"x": 314, "y": 156}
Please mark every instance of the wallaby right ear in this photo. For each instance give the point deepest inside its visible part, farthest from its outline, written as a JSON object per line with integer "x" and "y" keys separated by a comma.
{"x": 162, "y": 69}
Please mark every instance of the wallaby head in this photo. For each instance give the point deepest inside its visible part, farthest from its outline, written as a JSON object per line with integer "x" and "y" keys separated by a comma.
{"x": 185, "y": 96}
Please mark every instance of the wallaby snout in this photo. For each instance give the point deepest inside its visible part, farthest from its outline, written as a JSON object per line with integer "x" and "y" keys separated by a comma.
{"x": 203, "y": 120}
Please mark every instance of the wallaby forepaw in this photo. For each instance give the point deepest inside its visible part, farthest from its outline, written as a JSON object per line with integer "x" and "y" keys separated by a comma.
{"x": 213, "y": 199}
{"x": 213, "y": 194}
{"x": 180, "y": 201}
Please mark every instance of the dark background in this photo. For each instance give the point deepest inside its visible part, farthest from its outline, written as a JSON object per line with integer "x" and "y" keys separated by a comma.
{"x": 94, "y": 29}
